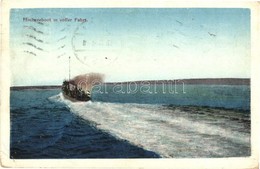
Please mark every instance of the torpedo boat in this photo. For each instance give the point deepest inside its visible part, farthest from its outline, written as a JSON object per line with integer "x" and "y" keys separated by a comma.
{"x": 71, "y": 91}
{"x": 79, "y": 88}
{"x": 74, "y": 91}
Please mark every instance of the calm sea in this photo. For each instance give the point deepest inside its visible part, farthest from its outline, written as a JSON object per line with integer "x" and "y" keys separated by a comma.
{"x": 129, "y": 122}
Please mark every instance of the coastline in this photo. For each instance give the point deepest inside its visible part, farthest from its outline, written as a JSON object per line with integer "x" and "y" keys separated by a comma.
{"x": 52, "y": 87}
{"x": 200, "y": 81}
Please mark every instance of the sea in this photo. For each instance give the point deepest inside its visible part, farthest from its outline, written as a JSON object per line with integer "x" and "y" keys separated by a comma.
{"x": 198, "y": 121}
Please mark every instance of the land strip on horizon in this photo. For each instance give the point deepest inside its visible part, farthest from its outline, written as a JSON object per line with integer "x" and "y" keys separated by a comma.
{"x": 201, "y": 81}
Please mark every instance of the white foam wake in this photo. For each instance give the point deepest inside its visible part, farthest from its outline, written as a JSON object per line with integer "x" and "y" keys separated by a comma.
{"x": 170, "y": 133}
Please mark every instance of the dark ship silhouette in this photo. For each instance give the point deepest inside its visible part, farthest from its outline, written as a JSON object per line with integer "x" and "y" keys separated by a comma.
{"x": 79, "y": 88}
{"x": 72, "y": 92}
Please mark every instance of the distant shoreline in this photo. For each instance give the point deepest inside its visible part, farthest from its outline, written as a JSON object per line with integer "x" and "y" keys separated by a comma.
{"x": 52, "y": 87}
{"x": 206, "y": 81}
{"x": 201, "y": 81}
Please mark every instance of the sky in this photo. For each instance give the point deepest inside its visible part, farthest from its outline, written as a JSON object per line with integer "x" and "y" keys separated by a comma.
{"x": 128, "y": 44}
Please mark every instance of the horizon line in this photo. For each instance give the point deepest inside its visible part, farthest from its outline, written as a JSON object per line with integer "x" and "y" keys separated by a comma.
{"x": 111, "y": 82}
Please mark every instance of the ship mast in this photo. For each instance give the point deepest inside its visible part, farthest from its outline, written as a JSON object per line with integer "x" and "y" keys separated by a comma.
{"x": 69, "y": 68}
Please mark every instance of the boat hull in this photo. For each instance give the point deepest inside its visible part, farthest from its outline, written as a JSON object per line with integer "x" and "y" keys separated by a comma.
{"x": 76, "y": 99}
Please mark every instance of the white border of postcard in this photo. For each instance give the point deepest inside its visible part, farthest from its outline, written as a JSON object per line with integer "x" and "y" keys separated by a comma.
{"x": 248, "y": 162}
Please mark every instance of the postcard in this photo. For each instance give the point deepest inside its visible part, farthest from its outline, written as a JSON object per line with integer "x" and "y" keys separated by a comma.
{"x": 129, "y": 84}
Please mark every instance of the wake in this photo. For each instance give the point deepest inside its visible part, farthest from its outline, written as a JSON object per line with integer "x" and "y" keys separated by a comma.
{"x": 170, "y": 133}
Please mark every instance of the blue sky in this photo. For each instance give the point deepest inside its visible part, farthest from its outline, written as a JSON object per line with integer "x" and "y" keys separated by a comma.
{"x": 130, "y": 44}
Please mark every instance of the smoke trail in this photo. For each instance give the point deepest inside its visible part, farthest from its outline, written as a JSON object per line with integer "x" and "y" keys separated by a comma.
{"x": 87, "y": 81}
